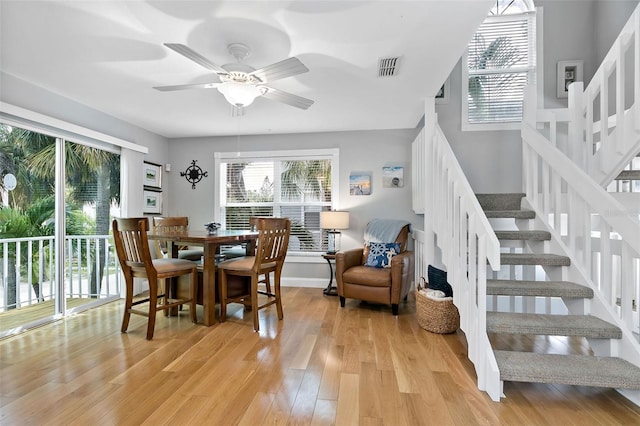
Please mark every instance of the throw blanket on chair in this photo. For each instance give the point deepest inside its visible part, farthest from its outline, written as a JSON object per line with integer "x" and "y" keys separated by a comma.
{"x": 384, "y": 230}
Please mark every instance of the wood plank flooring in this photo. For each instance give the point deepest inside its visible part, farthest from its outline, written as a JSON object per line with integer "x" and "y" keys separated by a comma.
{"x": 17, "y": 317}
{"x": 321, "y": 365}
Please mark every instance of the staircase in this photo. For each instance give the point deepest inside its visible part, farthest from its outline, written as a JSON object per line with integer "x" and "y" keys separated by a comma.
{"x": 528, "y": 266}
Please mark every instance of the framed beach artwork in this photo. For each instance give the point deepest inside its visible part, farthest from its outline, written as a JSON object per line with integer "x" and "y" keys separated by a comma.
{"x": 152, "y": 202}
{"x": 359, "y": 185}
{"x": 152, "y": 175}
{"x": 392, "y": 177}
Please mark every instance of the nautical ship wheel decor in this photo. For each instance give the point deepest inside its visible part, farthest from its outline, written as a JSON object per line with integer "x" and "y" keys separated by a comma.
{"x": 194, "y": 174}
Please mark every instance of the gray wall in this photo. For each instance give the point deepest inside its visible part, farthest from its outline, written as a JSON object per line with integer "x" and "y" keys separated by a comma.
{"x": 25, "y": 95}
{"x": 22, "y": 94}
{"x": 573, "y": 30}
{"x": 361, "y": 152}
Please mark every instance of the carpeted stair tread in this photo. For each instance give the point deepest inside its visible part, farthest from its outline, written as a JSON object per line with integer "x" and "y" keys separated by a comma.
{"x": 524, "y": 235}
{"x": 510, "y": 214}
{"x": 508, "y": 201}
{"x": 544, "y": 259}
{"x": 538, "y": 288}
{"x": 551, "y": 325}
{"x": 628, "y": 175}
{"x": 581, "y": 370}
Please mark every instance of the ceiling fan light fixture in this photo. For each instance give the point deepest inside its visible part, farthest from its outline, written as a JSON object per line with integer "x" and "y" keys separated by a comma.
{"x": 239, "y": 94}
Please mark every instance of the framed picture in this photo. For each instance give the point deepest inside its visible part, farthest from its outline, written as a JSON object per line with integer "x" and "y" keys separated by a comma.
{"x": 359, "y": 185}
{"x": 568, "y": 72}
{"x": 442, "y": 97}
{"x": 152, "y": 175}
{"x": 152, "y": 202}
{"x": 392, "y": 177}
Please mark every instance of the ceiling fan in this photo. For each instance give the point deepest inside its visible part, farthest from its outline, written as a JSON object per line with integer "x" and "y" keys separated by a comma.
{"x": 241, "y": 84}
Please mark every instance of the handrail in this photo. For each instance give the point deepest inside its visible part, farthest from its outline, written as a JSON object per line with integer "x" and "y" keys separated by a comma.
{"x": 602, "y": 202}
{"x": 602, "y": 152}
{"x": 467, "y": 244}
{"x": 589, "y": 225}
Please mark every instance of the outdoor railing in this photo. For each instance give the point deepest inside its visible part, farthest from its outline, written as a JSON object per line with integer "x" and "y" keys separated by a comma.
{"x": 27, "y": 269}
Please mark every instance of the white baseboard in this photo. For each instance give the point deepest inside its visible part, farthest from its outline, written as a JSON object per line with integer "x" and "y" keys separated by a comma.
{"x": 305, "y": 282}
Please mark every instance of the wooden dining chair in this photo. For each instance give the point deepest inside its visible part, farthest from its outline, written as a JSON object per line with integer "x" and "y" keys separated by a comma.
{"x": 132, "y": 247}
{"x": 173, "y": 224}
{"x": 270, "y": 252}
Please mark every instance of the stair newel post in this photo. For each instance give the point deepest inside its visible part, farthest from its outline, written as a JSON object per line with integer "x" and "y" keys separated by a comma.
{"x": 528, "y": 118}
{"x": 636, "y": 73}
{"x": 470, "y": 291}
{"x": 620, "y": 92}
{"x": 577, "y": 149}
{"x": 626, "y": 285}
{"x": 604, "y": 121}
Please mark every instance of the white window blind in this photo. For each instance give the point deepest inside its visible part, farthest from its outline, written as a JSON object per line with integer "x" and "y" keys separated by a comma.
{"x": 500, "y": 63}
{"x": 297, "y": 187}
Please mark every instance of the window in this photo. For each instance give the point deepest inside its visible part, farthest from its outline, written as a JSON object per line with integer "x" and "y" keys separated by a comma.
{"x": 298, "y": 185}
{"x": 500, "y": 62}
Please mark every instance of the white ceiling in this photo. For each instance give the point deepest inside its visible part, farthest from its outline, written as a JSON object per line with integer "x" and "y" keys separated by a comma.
{"x": 109, "y": 54}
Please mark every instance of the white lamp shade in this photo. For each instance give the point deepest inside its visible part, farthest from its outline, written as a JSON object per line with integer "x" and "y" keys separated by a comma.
{"x": 334, "y": 220}
{"x": 239, "y": 94}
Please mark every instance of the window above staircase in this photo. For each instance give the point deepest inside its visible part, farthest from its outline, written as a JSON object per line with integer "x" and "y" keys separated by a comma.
{"x": 500, "y": 62}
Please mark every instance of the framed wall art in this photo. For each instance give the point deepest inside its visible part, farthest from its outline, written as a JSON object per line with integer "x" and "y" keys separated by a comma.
{"x": 392, "y": 177}
{"x": 152, "y": 175}
{"x": 568, "y": 72}
{"x": 152, "y": 202}
{"x": 359, "y": 185}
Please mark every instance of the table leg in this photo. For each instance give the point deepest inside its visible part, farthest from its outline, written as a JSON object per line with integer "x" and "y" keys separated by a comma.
{"x": 331, "y": 290}
{"x": 171, "y": 284}
{"x": 208, "y": 284}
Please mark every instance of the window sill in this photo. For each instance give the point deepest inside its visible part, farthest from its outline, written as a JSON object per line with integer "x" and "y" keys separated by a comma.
{"x": 468, "y": 127}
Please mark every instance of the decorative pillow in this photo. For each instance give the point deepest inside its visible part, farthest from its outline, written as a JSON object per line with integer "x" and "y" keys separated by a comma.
{"x": 438, "y": 281}
{"x": 380, "y": 254}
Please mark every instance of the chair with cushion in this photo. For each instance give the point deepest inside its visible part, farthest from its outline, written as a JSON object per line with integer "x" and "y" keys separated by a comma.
{"x": 270, "y": 252}
{"x": 174, "y": 224}
{"x": 381, "y": 271}
{"x": 132, "y": 247}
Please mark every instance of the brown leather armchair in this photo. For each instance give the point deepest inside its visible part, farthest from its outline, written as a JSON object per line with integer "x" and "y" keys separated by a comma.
{"x": 379, "y": 285}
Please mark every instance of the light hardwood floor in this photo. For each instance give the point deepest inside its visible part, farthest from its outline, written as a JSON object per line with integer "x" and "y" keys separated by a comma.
{"x": 321, "y": 365}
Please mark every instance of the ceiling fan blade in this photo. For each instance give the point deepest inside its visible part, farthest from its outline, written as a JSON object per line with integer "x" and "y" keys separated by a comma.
{"x": 286, "y": 68}
{"x": 187, "y": 86}
{"x": 188, "y": 53}
{"x": 287, "y": 98}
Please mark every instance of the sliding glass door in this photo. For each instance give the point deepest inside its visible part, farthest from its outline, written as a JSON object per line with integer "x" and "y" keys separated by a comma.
{"x": 56, "y": 255}
{"x": 92, "y": 195}
{"x": 26, "y": 230}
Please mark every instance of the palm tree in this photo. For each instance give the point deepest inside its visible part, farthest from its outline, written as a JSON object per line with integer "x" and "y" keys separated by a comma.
{"x": 499, "y": 54}
{"x": 85, "y": 167}
{"x": 16, "y": 146}
{"x": 311, "y": 177}
{"x": 30, "y": 155}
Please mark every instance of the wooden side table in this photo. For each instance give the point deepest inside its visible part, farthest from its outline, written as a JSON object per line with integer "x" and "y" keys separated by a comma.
{"x": 331, "y": 290}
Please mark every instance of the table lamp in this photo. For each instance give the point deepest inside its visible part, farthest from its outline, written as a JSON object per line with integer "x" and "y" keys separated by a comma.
{"x": 333, "y": 221}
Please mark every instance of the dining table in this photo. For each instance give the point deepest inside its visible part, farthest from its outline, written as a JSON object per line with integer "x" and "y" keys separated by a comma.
{"x": 211, "y": 243}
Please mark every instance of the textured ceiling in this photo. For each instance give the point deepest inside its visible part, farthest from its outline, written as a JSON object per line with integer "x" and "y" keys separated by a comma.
{"x": 109, "y": 54}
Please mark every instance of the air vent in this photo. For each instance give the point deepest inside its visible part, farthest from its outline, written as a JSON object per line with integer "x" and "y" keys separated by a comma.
{"x": 388, "y": 67}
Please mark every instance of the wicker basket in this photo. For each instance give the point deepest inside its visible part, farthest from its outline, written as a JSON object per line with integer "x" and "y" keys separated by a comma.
{"x": 436, "y": 316}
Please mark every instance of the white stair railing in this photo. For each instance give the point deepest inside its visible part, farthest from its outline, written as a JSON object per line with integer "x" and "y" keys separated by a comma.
{"x": 604, "y": 121}
{"x": 455, "y": 222}
{"x": 590, "y": 226}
